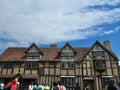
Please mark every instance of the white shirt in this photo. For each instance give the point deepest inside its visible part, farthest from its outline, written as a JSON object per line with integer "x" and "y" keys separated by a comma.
{"x": 1, "y": 86}
{"x": 31, "y": 87}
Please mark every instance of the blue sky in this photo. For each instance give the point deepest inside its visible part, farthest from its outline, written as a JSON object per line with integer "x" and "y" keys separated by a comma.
{"x": 80, "y": 22}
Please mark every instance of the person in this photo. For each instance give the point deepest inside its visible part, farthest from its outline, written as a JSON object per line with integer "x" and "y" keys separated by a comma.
{"x": 42, "y": 86}
{"x": 55, "y": 87}
{"x": 14, "y": 84}
{"x": 61, "y": 86}
{"x": 31, "y": 86}
{"x": 1, "y": 86}
{"x": 46, "y": 87}
{"x": 77, "y": 87}
{"x": 37, "y": 87}
{"x": 112, "y": 85}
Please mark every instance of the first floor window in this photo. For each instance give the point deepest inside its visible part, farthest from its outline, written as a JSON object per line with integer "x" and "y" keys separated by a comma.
{"x": 67, "y": 64}
{"x": 31, "y": 64}
{"x": 7, "y": 65}
{"x": 68, "y": 81}
{"x": 100, "y": 64}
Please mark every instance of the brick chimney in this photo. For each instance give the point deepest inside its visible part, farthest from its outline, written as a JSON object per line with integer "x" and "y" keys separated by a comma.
{"x": 107, "y": 44}
{"x": 53, "y": 46}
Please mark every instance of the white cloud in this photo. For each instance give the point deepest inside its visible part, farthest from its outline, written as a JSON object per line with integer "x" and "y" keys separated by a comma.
{"x": 49, "y": 21}
{"x": 109, "y": 32}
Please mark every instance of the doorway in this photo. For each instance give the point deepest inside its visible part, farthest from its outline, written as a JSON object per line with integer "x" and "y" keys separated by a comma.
{"x": 89, "y": 84}
{"x": 25, "y": 83}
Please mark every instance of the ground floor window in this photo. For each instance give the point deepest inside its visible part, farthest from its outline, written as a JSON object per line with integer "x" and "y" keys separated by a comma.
{"x": 68, "y": 81}
{"x": 105, "y": 81}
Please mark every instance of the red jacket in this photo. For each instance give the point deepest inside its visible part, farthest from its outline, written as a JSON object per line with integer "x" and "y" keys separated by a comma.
{"x": 13, "y": 85}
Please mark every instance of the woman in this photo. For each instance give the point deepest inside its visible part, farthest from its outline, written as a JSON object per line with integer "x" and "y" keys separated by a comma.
{"x": 14, "y": 84}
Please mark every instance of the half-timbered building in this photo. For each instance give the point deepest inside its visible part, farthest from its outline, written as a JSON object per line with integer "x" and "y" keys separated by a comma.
{"x": 93, "y": 66}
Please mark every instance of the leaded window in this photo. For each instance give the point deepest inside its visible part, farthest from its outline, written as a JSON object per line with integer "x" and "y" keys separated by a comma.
{"x": 100, "y": 64}
{"x": 67, "y": 53}
{"x": 7, "y": 65}
{"x": 33, "y": 54}
{"x": 67, "y": 65}
{"x": 68, "y": 81}
{"x": 31, "y": 64}
{"x": 98, "y": 53}
{"x": 105, "y": 82}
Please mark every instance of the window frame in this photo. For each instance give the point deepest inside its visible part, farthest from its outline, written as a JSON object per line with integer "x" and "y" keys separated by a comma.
{"x": 33, "y": 54}
{"x": 31, "y": 64}
{"x": 72, "y": 54}
{"x": 7, "y": 65}
{"x": 103, "y": 53}
{"x": 100, "y": 63}
{"x": 106, "y": 80}
{"x": 69, "y": 64}
{"x": 68, "y": 81}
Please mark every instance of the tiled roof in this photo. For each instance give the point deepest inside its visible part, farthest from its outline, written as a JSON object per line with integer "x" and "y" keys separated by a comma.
{"x": 18, "y": 54}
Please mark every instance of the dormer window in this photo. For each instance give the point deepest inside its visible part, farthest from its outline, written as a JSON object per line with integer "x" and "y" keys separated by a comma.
{"x": 100, "y": 65}
{"x": 67, "y": 53}
{"x": 98, "y": 53}
{"x": 33, "y": 54}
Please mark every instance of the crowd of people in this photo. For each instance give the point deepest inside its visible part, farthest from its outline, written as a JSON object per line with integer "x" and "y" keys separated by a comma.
{"x": 14, "y": 85}
{"x": 56, "y": 86}
{"x": 36, "y": 86}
